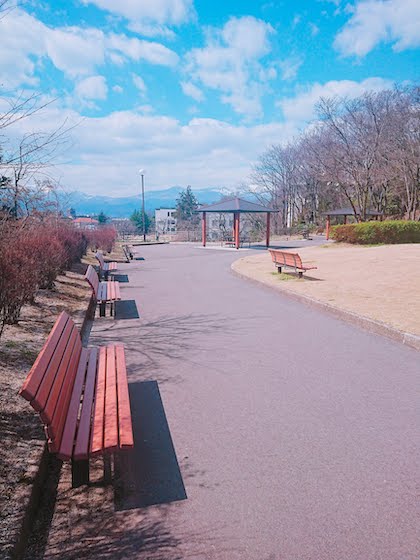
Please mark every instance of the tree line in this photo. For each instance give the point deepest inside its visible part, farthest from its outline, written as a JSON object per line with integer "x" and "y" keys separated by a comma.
{"x": 361, "y": 153}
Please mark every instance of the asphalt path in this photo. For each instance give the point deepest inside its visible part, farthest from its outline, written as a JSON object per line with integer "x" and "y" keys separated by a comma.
{"x": 294, "y": 432}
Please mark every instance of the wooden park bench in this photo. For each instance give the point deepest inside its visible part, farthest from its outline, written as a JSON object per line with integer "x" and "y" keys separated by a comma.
{"x": 103, "y": 291}
{"x": 105, "y": 267}
{"x": 82, "y": 397}
{"x": 291, "y": 260}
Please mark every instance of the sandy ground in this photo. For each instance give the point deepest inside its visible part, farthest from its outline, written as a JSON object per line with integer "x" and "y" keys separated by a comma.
{"x": 381, "y": 283}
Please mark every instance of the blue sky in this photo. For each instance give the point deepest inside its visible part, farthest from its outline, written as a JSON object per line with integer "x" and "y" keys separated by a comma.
{"x": 192, "y": 90}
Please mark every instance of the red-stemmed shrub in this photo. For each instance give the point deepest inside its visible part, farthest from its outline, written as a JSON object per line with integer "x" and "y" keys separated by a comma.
{"x": 102, "y": 238}
{"x": 32, "y": 254}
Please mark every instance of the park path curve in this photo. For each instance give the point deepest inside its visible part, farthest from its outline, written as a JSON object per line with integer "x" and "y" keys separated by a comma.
{"x": 294, "y": 432}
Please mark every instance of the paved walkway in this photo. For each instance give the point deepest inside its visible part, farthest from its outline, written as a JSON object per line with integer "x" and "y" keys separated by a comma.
{"x": 294, "y": 432}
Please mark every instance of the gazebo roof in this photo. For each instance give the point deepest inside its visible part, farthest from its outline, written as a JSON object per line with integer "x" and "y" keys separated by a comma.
{"x": 235, "y": 204}
{"x": 349, "y": 212}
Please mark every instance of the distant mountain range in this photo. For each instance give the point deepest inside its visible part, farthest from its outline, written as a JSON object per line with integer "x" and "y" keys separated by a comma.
{"x": 123, "y": 207}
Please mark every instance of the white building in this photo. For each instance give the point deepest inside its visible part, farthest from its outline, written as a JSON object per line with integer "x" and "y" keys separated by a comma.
{"x": 165, "y": 221}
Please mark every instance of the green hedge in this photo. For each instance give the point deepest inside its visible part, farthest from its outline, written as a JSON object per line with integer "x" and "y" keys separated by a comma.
{"x": 371, "y": 233}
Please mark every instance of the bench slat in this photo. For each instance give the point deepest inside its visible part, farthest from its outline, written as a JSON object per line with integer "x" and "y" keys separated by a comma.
{"x": 117, "y": 290}
{"x": 97, "y": 437}
{"x": 63, "y": 403}
{"x": 37, "y": 372}
{"x": 65, "y": 446}
{"x": 124, "y": 414}
{"x": 40, "y": 401}
{"x": 81, "y": 449}
{"x": 41, "y": 398}
{"x": 102, "y": 293}
{"x": 110, "y": 291}
{"x": 111, "y": 409}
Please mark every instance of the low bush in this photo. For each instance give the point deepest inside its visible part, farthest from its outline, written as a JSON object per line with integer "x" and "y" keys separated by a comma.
{"x": 373, "y": 233}
{"x": 32, "y": 254}
{"x": 102, "y": 238}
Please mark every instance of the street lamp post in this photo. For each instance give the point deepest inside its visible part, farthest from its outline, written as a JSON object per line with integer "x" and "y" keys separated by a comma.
{"x": 142, "y": 204}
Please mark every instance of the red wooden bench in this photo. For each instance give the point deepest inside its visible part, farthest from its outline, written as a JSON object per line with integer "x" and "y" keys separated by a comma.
{"x": 82, "y": 397}
{"x": 128, "y": 253}
{"x": 291, "y": 260}
{"x": 105, "y": 267}
{"x": 104, "y": 292}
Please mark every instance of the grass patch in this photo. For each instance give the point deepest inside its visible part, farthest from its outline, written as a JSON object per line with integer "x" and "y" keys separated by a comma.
{"x": 285, "y": 277}
{"x": 17, "y": 351}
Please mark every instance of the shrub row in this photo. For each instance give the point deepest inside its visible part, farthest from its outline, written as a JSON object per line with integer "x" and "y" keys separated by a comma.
{"x": 366, "y": 233}
{"x": 32, "y": 254}
{"x": 101, "y": 238}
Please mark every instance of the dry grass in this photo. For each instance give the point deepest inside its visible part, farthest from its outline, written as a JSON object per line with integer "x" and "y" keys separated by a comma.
{"x": 378, "y": 282}
{"x": 22, "y": 437}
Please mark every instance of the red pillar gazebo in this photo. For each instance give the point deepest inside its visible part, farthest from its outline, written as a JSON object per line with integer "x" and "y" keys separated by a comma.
{"x": 235, "y": 206}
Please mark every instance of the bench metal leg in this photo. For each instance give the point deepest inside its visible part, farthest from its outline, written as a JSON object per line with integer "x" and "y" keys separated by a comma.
{"x": 79, "y": 473}
{"x": 279, "y": 269}
{"x": 111, "y": 309}
{"x": 102, "y": 309}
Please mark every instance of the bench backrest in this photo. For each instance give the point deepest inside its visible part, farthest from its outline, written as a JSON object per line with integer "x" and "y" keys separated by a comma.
{"x": 285, "y": 258}
{"x": 100, "y": 258}
{"x": 49, "y": 384}
{"x": 92, "y": 277}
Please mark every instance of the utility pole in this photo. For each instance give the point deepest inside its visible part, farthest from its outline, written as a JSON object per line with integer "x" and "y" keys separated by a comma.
{"x": 142, "y": 204}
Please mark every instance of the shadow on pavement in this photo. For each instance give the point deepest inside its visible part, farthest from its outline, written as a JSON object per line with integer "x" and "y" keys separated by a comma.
{"x": 123, "y": 278}
{"x": 126, "y": 309}
{"x": 149, "y": 474}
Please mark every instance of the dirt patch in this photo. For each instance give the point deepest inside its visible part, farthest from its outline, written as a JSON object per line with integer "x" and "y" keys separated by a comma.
{"x": 380, "y": 283}
{"x": 22, "y": 437}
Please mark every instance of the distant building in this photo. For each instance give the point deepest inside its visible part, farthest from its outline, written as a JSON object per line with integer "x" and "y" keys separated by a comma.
{"x": 85, "y": 223}
{"x": 165, "y": 220}
{"x": 219, "y": 226}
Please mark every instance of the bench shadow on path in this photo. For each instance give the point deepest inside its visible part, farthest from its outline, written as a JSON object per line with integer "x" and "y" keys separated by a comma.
{"x": 122, "y": 278}
{"x": 166, "y": 338}
{"x": 126, "y": 309}
{"x": 149, "y": 474}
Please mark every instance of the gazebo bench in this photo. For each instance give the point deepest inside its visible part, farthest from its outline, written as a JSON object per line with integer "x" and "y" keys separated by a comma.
{"x": 104, "y": 292}
{"x": 82, "y": 398}
{"x": 105, "y": 267}
{"x": 290, "y": 260}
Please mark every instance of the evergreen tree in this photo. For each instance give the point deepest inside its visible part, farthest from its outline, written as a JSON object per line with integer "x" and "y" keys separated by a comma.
{"x": 186, "y": 206}
{"x": 102, "y": 218}
{"x": 137, "y": 219}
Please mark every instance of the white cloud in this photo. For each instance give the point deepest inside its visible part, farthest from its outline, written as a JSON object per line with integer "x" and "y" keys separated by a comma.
{"x": 76, "y": 51}
{"x": 314, "y": 29}
{"x": 137, "y": 49}
{"x": 289, "y": 67}
{"x": 192, "y": 91}
{"x": 149, "y": 12}
{"x": 20, "y": 35}
{"x": 204, "y": 152}
{"x": 152, "y": 30}
{"x": 230, "y": 63}
{"x": 301, "y": 108}
{"x": 376, "y": 21}
{"x": 139, "y": 83}
{"x": 117, "y": 89}
{"x": 92, "y": 88}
